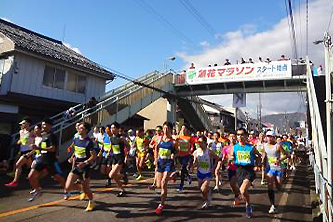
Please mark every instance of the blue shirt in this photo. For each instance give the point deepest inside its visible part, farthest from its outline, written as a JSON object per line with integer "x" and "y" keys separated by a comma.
{"x": 244, "y": 154}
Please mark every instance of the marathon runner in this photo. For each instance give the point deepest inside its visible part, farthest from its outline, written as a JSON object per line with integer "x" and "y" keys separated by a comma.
{"x": 165, "y": 151}
{"x": 118, "y": 149}
{"x": 25, "y": 142}
{"x": 273, "y": 152}
{"x": 185, "y": 142}
{"x": 261, "y": 163}
{"x": 153, "y": 144}
{"x": 106, "y": 155}
{"x": 216, "y": 146}
{"x": 141, "y": 144}
{"x": 244, "y": 155}
{"x": 203, "y": 158}
{"x": 231, "y": 167}
{"x": 47, "y": 161}
{"x": 83, "y": 157}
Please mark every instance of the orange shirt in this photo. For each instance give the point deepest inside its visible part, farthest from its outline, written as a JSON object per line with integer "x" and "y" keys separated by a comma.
{"x": 185, "y": 145}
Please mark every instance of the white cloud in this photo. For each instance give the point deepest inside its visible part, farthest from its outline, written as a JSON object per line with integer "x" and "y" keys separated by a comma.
{"x": 6, "y": 19}
{"x": 72, "y": 48}
{"x": 246, "y": 42}
{"x": 205, "y": 44}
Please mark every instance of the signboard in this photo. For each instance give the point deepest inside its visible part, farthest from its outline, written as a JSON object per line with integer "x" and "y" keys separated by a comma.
{"x": 240, "y": 72}
{"x": 239, "y": 100}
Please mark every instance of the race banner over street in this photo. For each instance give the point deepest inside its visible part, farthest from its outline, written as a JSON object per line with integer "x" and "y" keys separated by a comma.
{"x": 240, "y": 72}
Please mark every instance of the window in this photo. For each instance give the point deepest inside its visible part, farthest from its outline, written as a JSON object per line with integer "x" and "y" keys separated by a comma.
{"x": 71, "y": 82}
{"x": 76, "y": 83}
{"x": 81, "y": 84}
{"x": 54, "y": 77}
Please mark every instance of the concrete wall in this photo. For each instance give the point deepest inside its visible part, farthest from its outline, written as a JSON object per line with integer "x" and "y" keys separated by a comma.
{"x": 156, "y": 113}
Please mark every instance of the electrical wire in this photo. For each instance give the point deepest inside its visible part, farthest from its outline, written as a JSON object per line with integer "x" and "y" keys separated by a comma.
{"x": 165, "y": 22}
{"x": 293, "y": 32}
{"x": 197, "y": 15}
{"x": 329, "y": 23}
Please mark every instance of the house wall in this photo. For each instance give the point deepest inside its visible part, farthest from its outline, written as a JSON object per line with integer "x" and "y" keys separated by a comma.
{"x": 156, "y": 113}
{"x": 27, "y": 78}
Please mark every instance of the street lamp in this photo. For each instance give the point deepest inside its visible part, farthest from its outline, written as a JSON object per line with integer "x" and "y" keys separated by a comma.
{"x": 166, "y": 60}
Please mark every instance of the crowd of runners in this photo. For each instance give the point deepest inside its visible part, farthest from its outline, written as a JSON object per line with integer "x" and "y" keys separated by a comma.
{"x": 112, "y": 151}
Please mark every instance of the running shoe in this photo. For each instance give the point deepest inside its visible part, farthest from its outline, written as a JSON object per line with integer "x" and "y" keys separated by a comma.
{"x": 249, "y": 211}
{"x": 205, "y": 205}
{"x": 33, "y": 191}
{"x": 180, "y": 189}
{"x": 272, "y": 210}
{"x": 152, "y": 187}
{"x": 11, "y": 184}
{"x": 159, "y": 209}
{"x": 83, "y": 196}
{"x": 216, "y": 189}
{"x": 263, "y": 182}
{"x": 35, "y": 195}
{"x": 108, "y": 183}
{"x": 237, "y": 201}
{"x": 121, "y": 194}
{"x": 139, "y": 177}
{"x": 125, "y": 179}
{"x": 91, "y": 206}
{"x": 135, "y": 175}
{"x": 189, "y": 180}
{"x": 67, "y": 195}
{"x": 173, "y": 179}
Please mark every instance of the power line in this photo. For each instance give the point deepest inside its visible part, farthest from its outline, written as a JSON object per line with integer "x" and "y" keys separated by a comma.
{"x": 307, "y": 27}
{"x": 165, "y": 22}
{"x": 329, "y": 23}
{"x": 197, "y": 15}
{"x": 292, "y": 26}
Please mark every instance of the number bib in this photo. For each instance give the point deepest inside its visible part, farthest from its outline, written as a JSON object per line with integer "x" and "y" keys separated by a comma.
{"x": 164, "y": 153}
{"x": 204, "y": 166}
{"x": 80, "y": 152}
{"x": 24, "y": 140}
{"x": 116, "y": 149}
{"x": 244, "y": 157}
{"x": 183, "y": 146}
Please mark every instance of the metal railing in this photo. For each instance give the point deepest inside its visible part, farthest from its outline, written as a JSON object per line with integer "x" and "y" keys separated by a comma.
{"x": 197, "y": 105}
{"x": 318, "y": 158}
{"x": 79, "y": 108}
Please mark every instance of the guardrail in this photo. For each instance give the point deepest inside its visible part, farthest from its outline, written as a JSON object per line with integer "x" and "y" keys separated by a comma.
{"x": 318, "y": 158}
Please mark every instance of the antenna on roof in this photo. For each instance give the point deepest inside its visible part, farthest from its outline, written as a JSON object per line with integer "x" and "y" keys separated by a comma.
{"x": 64, "y": 33}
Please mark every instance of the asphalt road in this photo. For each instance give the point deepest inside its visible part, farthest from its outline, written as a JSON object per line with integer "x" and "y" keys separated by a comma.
{"x": 140, "y": 203}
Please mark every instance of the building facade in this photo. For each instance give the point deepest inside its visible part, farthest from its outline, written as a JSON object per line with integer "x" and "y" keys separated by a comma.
{"x": 40, "y": 76}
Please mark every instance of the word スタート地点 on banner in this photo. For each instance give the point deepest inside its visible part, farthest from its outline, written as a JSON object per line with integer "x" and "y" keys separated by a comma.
{"x": 240, "y": 72}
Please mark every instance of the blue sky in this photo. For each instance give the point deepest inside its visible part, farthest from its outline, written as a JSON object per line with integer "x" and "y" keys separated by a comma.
{"x": 124, "y": 36}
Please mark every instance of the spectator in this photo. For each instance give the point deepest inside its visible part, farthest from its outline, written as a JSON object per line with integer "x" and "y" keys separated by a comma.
{"x": 250, "y": 60}
{"x": 215, "y": 64}
{"x": 192, "y": 66}
{"x": 209, "y": 65}
{"x": 227, "y": 62}
{"x": 260, "y": 59}
{"x": 92, "y": 102}
{"x": 242, "y": 61}
{"x": 268, "y": 60}
{"x": 70, "y": 113}
{"x": 282, "y": 58}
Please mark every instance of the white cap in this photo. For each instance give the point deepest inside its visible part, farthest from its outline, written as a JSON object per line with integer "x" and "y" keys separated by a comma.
{"x": 270, "y": 133}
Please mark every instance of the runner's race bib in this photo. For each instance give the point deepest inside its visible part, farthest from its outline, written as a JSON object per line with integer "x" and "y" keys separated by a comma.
{"x": 164, "y": 153}
{"x": 204, "y": 166}
{"x": 116, "y": 149}
{"x": 244, "y": 157}
{"x": 80, "y": 152}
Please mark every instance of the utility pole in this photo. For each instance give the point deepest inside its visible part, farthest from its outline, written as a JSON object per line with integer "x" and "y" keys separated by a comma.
{"x": 328, "y": 80}
{"x": 236, "y": 117}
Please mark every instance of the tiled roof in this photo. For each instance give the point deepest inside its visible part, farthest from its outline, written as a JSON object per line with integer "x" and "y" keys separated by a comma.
{"x": 33, "y": 42}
